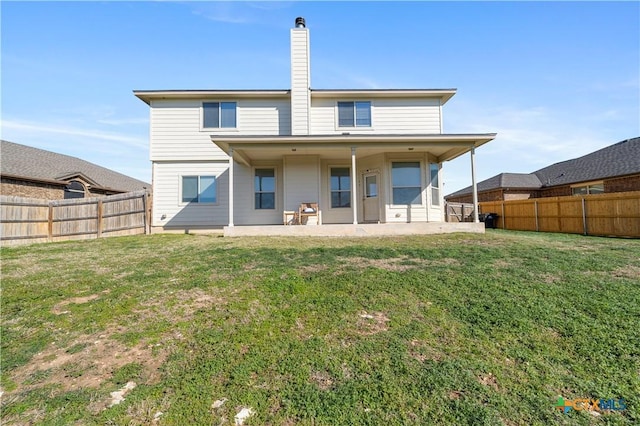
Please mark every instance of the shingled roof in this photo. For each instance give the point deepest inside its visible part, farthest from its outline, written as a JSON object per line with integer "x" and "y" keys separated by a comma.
{"x": 619, "y": 159}
{"x": 21, "y": 161}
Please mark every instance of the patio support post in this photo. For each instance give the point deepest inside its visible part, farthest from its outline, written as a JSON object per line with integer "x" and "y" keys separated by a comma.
{"x": 230, "y": 187}
{"x": 354, "y": 186}
{"x": 474, "y": 185}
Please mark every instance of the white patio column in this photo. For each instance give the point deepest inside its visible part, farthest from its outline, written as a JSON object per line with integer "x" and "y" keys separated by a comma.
{"x": 354, "y": 186}
{"x": 230, "y": 187}
{"x": 473, "y": 185}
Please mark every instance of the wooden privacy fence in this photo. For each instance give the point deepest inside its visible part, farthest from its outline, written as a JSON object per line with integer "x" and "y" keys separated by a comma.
{"x": 614, "y": 214}
{"x": 27, "y": 220}
{"x": 458, "y": 212}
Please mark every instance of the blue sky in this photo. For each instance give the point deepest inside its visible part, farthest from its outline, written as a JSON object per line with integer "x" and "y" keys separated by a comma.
{"x": 555, "y": 80}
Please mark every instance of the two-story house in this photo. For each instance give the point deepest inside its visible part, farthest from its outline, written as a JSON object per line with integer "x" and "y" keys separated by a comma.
{"x": 223, "y": 158}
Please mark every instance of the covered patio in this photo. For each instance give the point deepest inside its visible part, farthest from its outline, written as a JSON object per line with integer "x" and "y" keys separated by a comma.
{"x": 361, "y": 153}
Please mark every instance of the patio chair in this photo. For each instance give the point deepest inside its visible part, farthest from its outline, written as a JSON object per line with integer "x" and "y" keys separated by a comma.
{"x": 309, "y": 214}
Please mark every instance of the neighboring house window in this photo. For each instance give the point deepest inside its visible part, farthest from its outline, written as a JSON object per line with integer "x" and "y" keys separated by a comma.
{"x": 74, "y": 189}
{"x": 435, "y": 184}
{"x": 199, "y": 189}
{"x": 265, "y": 189}
{"x": 340, "y": 187}
{"x": 406, "y": 183}
{"x": 596, "y": 188}
{"x": 354, "y": 114}
{"x": 219, "y": 115}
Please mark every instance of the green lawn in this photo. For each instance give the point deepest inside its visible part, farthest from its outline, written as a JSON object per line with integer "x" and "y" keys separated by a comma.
{"x": 456, "y": 329}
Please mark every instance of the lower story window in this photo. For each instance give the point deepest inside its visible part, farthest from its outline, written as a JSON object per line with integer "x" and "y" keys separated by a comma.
{"x": 199, "y": 189}
{"x": 265, "y": 189}
{"x": 435, "y": 184}
{"x": 340, "y": 187}
{"x": 406, "y": 183}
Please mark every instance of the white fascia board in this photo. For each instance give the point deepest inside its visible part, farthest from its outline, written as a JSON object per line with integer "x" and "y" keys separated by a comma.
{"x": 148, "y": 95}
{"x": 443, "y": 94}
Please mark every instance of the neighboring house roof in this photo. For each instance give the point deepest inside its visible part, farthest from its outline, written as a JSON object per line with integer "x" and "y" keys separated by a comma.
{"x": 619, "y": 159}
{"x": 25, "y": 162}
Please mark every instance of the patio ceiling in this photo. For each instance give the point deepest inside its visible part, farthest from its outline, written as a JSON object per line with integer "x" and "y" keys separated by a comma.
{"x": 247, "y": 149}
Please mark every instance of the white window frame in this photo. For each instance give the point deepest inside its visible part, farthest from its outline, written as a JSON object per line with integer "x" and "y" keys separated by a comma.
{"x": 198, "y": 203}
{"x": 355, "y": 126}
{"x": 340, "y": 166}
{"x": 275, "y": 187}
{"x": 391, "y": 187}
{"x": 219, "y": 128}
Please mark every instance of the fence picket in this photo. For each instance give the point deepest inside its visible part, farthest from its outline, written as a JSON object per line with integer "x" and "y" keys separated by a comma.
{"x": 613, "y": 214}
{"x": 26, "y": 220}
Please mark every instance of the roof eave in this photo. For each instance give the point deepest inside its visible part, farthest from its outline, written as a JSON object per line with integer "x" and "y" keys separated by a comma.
{"x": 443, "y": 94}
{"x": 148, "y": 95}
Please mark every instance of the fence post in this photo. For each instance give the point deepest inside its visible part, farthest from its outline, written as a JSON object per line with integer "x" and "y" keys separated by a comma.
{"x": 100, "y": 212}
{"x": 50, "y": 224}
{"x": 535, "y": 209}
{"x": 584, "y": 216}
{"x": 147, "y": 213}
{"x": 504, "y": 226}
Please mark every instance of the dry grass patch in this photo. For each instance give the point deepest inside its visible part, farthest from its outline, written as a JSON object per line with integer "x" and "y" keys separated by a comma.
{"x": 87, "y": 363}
{"x": 630, "y": 271}
{"x": 58, "y": 308}
{"x": 396, "y": 264}
{"x": 489, "y": 380}
{"x": 372, "y": 323}
{"x": 322, "y": 379}
{"x": 421, "y": 351}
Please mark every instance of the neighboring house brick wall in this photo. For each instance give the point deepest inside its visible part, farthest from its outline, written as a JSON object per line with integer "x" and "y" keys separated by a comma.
{"x": 520, "y": 195}
{"x": 495, "y": 195}
{"x": 40, "y": 190}
{"x": 19, "y": 188}
{"x": 556, "y": 191}
{"x": 622, "y": 184}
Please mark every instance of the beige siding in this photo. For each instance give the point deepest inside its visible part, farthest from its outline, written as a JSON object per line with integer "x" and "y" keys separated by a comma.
{"x": 300, "y": 81}
{"x": 168, "y": 209}
{"x": 301, "y": 181}
{"x": 403, "y": 116}
{"x": 244, "y": 211}
{"x": 176, "y": 127}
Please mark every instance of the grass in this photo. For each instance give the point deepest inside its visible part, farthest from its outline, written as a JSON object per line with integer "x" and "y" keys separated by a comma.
{"x": 457, "y": 329}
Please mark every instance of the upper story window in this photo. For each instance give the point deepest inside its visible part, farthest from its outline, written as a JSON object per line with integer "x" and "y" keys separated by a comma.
{"x": 219, "y": 115}
{"x": 354, "y": 114}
